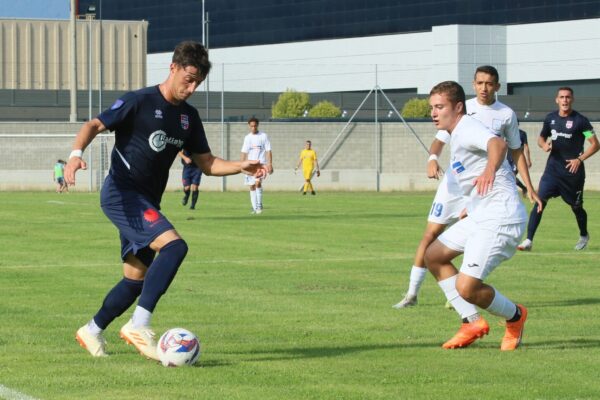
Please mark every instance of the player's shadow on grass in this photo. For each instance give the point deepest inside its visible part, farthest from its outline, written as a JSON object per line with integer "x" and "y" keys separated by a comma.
{"x": 317, "y": 217}
{"x": 567, "y": 344}
{"x": 327, "y": 351}
{"x": 564, "y": 302}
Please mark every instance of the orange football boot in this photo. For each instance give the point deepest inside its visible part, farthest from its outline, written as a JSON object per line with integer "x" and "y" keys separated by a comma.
{"x": 514, "y": 332}
{"x": 467, "y": 334}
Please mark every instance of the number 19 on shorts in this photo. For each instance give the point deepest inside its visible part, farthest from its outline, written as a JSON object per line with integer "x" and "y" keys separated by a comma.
{"x": 436, "y": 209}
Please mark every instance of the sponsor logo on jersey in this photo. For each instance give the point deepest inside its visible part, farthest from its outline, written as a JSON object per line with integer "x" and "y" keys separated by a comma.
{"x": 158, "y": 140}
{"x": 158, "y": 114}
{"x": 185, "y": 122}
{"x": 473, "y": 265}
{"x": 457, "y": 167}
{"x": 569, "y": 124}
{"x": 117, "y": 104}
{"x": 556, "y": 135}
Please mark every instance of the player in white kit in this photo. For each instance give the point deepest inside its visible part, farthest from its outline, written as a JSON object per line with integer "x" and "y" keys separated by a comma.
{"x": 492, "y": 229}
{"x": 256, "y": 147}
{"x": 449, "y": 202}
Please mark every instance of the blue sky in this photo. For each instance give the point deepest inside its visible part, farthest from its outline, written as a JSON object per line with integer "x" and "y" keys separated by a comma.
{"x": 44, "y": 9}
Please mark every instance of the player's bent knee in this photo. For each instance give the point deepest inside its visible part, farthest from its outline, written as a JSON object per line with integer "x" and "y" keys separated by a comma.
{"x": 177, "y": 249}
{"x": 468, "y": 288}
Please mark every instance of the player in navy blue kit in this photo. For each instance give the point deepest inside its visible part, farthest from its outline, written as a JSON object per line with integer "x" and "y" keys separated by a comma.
{"x": 509, "y": 158}
{"x": 563, "y": 136}
{"x": 151, "y": 126}
{"x": 190, "y": 178}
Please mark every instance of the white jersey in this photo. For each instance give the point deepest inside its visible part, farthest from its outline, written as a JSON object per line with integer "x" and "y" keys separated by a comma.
{"x": 256, "y": 145}
{"x": 498, "y": 117}
{"x": 468, "y": 159}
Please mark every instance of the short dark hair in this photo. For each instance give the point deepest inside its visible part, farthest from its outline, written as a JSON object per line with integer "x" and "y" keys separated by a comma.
{"x": 488, "y": 69}
{"x": 565, "y": 88}
{"x": 454, "y": 92}
{"x": 253, "y": 119}
{"x": 190, "y": 53}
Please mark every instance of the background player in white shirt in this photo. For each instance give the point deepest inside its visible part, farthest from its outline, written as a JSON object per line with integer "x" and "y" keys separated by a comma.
{"x": 491, "y": 231}
{"x": 256, "y": 147}
{"x": 449, "y": 202}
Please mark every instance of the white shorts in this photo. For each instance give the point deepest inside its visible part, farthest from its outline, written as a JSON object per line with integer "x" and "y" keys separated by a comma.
{"x": 250, "y": 180}
{"x": 485, "y": 245}
{"x": 446, "y": 206}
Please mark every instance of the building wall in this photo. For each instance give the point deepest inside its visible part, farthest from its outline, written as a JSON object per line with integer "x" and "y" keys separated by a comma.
{"x": 350, "y": 158}
{"x": 35, "y": 54}
{"x": 236, "y": 23}
{"x": 554, "y": 51}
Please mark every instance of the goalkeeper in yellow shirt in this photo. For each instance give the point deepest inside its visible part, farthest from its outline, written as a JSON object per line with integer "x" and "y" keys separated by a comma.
{"x": 308, "y": 159}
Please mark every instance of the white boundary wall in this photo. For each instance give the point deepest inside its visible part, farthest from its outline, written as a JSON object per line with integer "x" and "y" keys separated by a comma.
{"x": 28, "y": 152}
{"x": 551, "y": 51}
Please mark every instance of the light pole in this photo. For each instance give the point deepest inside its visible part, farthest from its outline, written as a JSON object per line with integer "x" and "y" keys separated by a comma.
{"x": 89, "y": 16}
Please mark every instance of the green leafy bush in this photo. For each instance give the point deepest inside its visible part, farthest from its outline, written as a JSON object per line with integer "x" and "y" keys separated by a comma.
{"x": 416, "y": 108}
{"x": 325, "y": 109}
{"x": 291, "y": 104}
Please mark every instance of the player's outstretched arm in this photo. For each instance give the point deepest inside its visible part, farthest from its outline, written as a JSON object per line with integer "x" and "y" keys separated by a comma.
{"x": 215, "y": 166}
{"x": 86, "y": 134}
{"x": 496, "y": 151}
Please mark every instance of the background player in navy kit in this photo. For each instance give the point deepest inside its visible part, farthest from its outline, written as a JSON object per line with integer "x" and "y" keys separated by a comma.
{"x": 526, "y": 154}
{"x": 564, "y": 175}
{"x": 190, "y": 178}
{"x": 151, "y": 126}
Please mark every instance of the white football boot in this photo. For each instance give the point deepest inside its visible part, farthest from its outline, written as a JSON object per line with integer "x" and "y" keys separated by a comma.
{"x": 95, "y": 344}
{"x": 407, "y": 301}
{"x": 142, "y": 338}
{"x": 583, "y": 241}
{"x": 525, "y": 245}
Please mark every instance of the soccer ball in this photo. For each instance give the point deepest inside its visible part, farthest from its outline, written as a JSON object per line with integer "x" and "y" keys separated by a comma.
{"x": 178, "y": 347}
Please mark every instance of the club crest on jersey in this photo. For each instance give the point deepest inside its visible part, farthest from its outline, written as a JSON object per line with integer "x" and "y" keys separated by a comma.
{"x": 185, "y": 122}
{"x": 569, "y": 124}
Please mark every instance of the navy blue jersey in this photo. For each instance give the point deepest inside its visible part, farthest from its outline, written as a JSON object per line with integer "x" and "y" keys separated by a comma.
{"x": 149, "y": 132}
{"x": 568, "y": 138}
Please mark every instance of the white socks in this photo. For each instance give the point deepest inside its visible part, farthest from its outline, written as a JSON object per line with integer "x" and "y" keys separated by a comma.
{"x": 417, "y": 276}
{"x": 253, "y": 199}
{"x": 502, "y": 306}
{"x": 141, "y": 317}
{"x": 462, "y": 307}
{"x": 259, "y": 197}
{"x": 93, "y": 328}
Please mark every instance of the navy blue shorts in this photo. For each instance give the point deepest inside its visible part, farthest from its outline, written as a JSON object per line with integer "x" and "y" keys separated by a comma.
{"x": 191, "y": 176}
{"x": 569, "y": 188}
{"x": 139, "y": 222}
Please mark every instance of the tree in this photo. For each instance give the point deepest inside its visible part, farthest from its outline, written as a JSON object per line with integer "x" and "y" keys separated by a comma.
{"x": 416, "y": 108}
{"x": 291, "y": 104}
{"x": 325, "y": 109}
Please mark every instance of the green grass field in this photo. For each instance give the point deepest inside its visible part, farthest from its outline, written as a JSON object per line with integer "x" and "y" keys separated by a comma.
{"x": 291, "y": 304}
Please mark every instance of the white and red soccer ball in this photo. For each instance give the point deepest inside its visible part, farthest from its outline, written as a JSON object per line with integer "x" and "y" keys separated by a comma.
{"x": 178, "y": 347}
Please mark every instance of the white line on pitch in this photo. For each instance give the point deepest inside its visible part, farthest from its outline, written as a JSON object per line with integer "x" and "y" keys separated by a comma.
{"x": 9, "y": 394}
